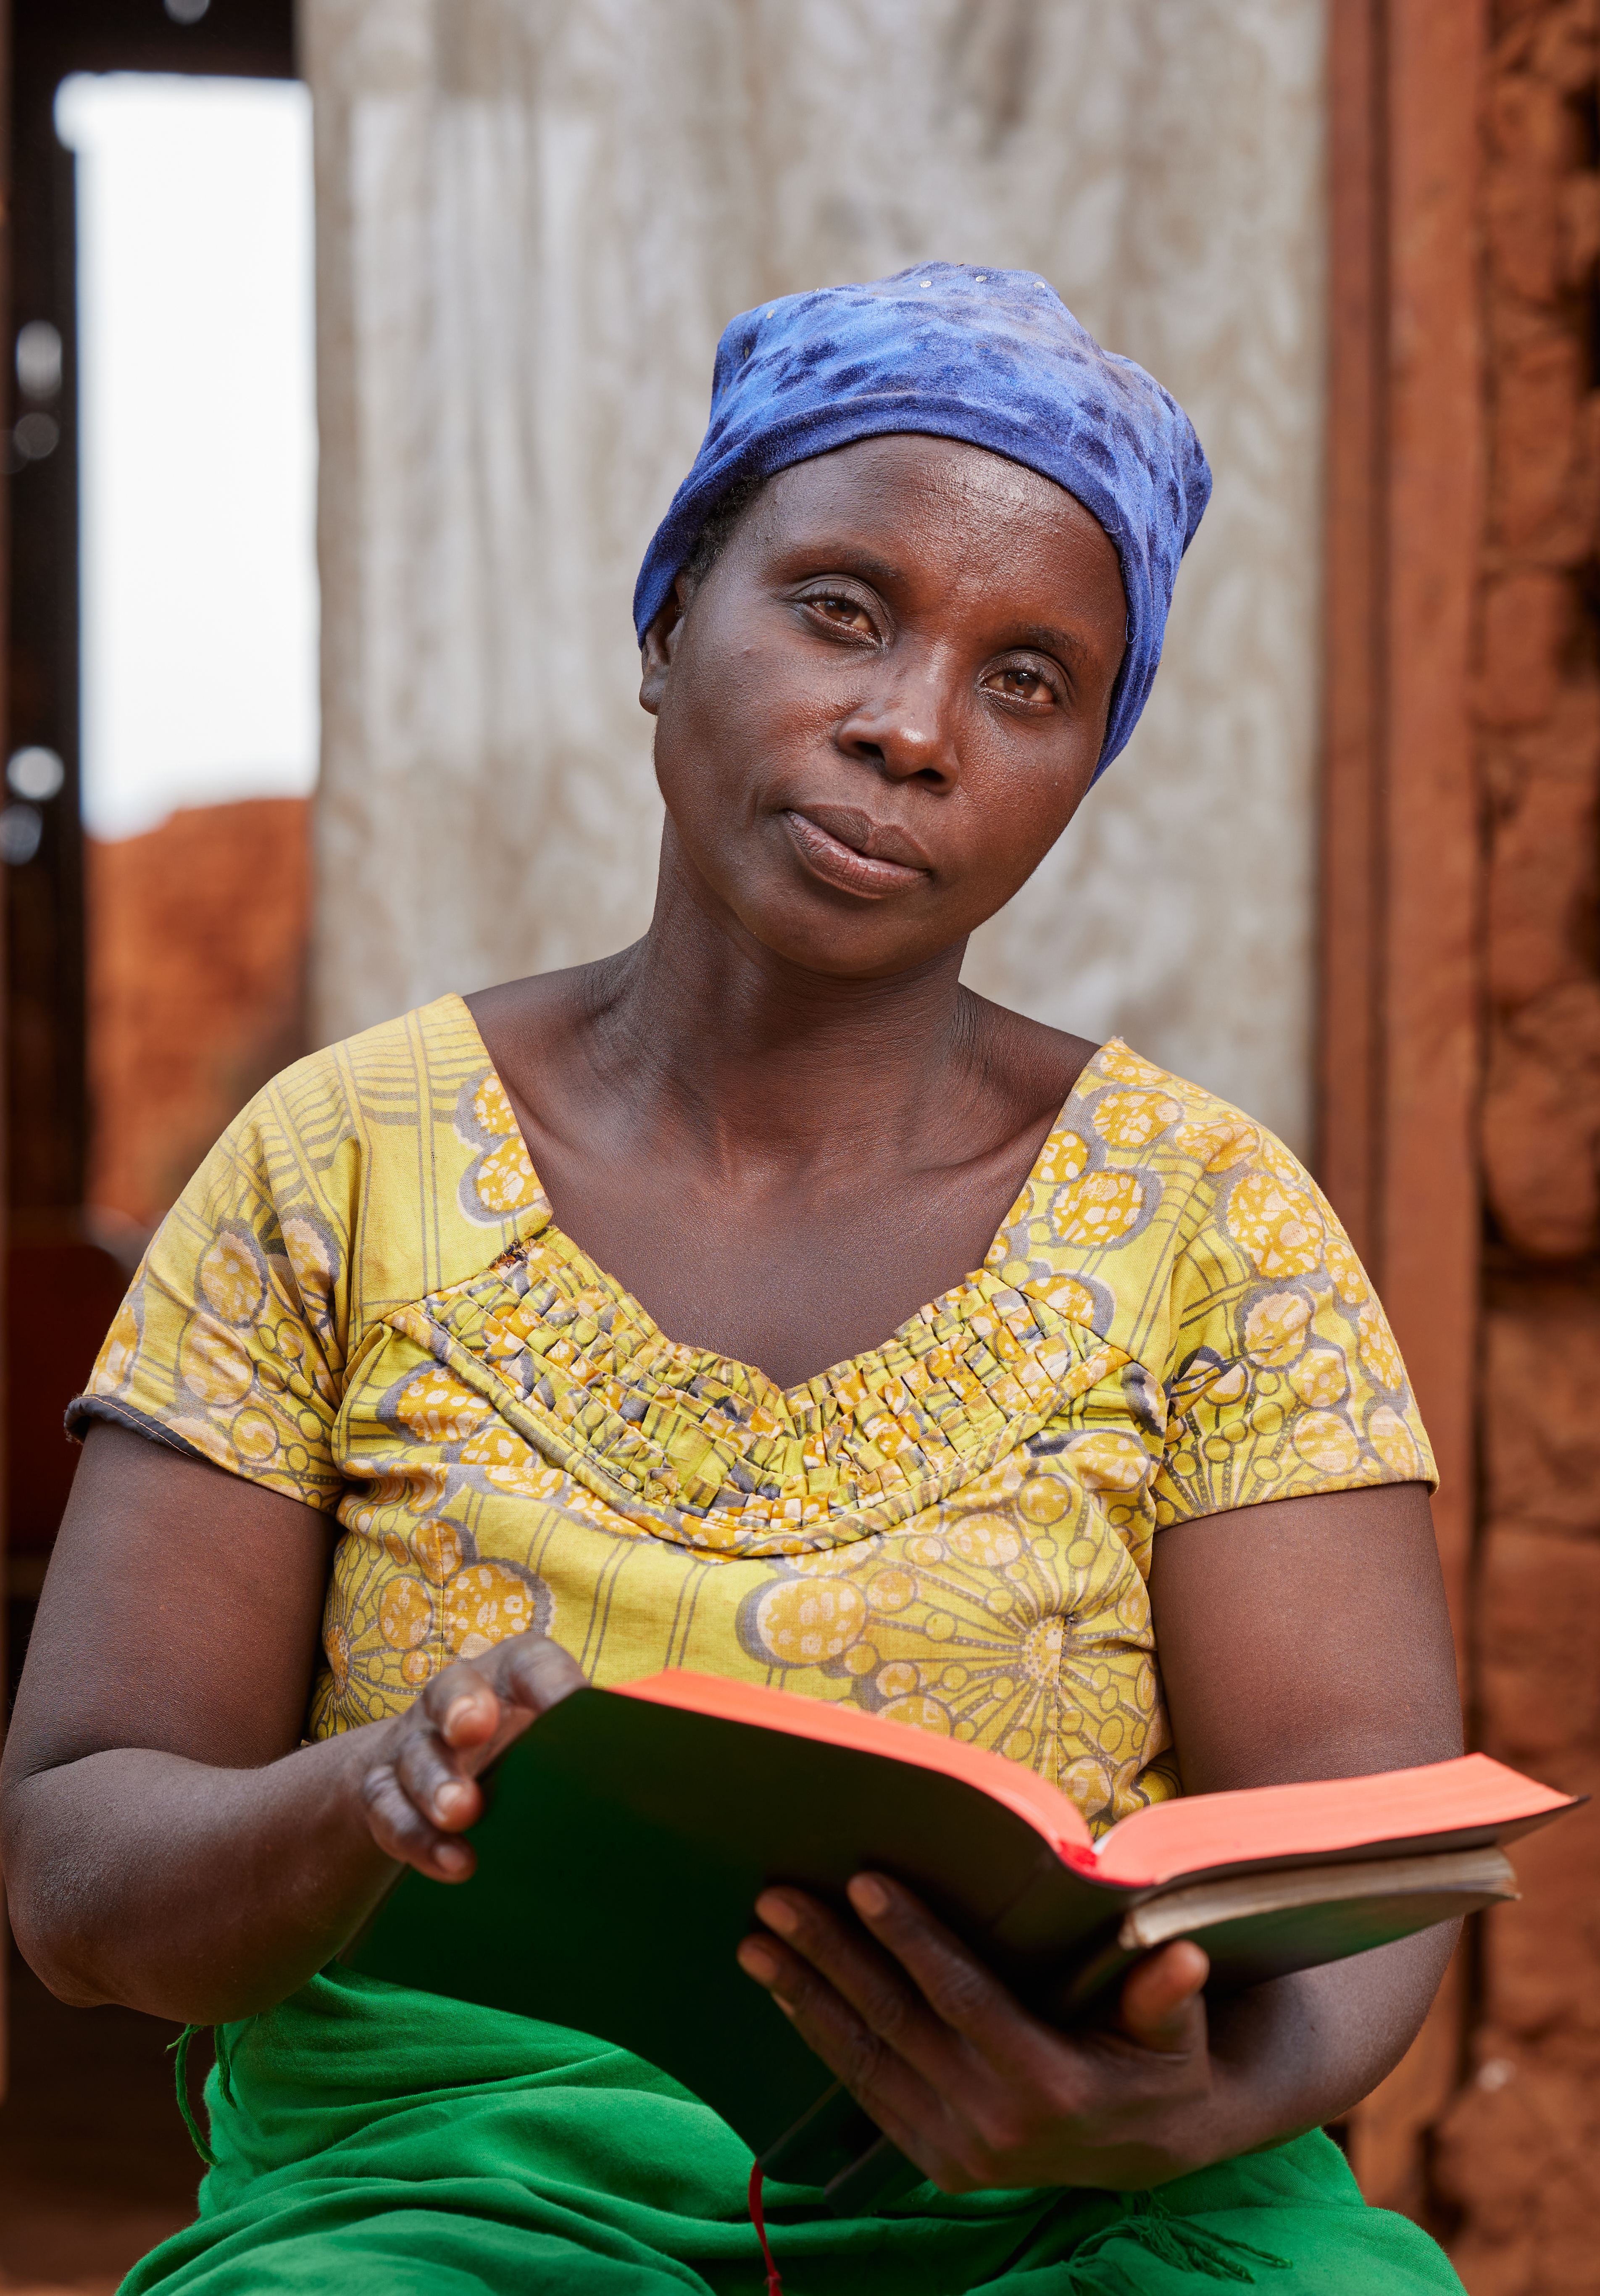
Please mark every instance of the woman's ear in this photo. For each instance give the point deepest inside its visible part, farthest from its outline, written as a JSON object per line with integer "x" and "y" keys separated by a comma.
{"x": 660, "y": 644}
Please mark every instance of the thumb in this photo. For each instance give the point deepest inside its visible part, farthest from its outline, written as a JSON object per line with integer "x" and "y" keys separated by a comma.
{"x": 537, "y": 1674}
{"x": 1160, "y": 2005}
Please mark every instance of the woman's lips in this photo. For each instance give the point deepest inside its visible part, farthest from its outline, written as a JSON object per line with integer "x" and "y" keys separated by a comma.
{"x": 829, "y": 857}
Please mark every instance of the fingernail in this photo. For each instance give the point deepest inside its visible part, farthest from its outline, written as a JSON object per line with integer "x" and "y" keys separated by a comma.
{"x": 869, "y": 1897}
{"x": 757, "y": 1961}
{"x": 452, "y": 1857}
{"x": 457, "y": 1712}
{"x": 452, "y": 1798}
{"x": 778, "y": 1914}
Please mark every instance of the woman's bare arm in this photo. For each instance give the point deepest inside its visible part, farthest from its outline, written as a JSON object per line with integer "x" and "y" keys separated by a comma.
{"x": 1311, "y": 1639}
{"x": 1306, "y": 1639}
{"x": 167, "y": 1841}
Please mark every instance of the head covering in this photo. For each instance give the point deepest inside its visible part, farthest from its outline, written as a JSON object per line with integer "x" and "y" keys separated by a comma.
{"x": 993, "y": 357}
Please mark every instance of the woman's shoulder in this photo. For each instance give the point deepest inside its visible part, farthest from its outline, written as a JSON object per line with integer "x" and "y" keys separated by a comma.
{"x": 393, "y": 1076}
{"x": 1203, "y": 1251}
{"x": 395, "y": 1149}
{"x": 1150, "y": 1187}
{"x": 1165, "y": 1147}
{"x": 359, "y": 1181}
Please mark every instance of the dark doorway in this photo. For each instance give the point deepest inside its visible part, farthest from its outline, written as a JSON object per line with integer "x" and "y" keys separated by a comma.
{"x": 63, "y": 1285}
{"x": 96, "y": 2163}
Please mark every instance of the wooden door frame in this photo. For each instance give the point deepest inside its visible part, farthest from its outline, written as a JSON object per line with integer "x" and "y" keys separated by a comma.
{"x": 1398, "y": 1022}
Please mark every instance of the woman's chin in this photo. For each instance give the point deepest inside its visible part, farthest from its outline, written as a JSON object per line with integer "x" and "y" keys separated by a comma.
{"x": 813, "y": 925}
{"x": 835, "y": 952}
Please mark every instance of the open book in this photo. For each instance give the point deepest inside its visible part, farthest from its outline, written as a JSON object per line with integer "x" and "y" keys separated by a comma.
{"x": 630, "y": 1831}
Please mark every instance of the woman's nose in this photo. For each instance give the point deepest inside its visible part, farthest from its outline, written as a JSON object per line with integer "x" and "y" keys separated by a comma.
{"x": 905, "y": 729}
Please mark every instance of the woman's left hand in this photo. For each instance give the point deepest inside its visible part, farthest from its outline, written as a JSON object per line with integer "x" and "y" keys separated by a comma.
{"x": 974, "y": 2089}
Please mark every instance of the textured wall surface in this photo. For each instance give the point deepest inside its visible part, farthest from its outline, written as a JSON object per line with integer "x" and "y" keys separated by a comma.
{"x": 1516, "y": 2152}
{"x": 534, "y": 221}
{"x": 197, "y": 989}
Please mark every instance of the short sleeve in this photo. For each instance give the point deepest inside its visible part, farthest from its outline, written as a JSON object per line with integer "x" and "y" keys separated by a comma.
{"x": 1284, "y": 1377}
{"x": 231, "y": 1343}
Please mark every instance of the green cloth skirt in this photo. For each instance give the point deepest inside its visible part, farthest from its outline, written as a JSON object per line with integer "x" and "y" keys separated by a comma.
{"x": 372, "y": 2140}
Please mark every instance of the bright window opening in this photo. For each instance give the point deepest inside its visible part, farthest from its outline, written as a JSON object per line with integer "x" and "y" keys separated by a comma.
{"x": 198, "y": 441}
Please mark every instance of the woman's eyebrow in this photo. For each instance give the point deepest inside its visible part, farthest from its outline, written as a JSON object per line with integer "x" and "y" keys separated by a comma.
{"x": 851, "y": 557}
{"x": 1047, "y": 639}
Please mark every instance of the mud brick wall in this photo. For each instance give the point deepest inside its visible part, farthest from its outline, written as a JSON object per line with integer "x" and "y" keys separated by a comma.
{"x": 1518, "y": 2154}
{"x": 197, "y": 984}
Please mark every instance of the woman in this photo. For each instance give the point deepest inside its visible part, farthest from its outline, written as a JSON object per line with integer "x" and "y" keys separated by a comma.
{"x": 998, "y": 1364}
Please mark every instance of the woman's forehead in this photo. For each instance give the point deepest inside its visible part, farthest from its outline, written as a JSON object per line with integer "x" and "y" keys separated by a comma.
{"x": 904, "y": 467}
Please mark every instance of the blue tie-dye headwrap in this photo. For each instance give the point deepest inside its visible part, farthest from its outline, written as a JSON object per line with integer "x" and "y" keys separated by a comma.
{"x": 994, "y": 357}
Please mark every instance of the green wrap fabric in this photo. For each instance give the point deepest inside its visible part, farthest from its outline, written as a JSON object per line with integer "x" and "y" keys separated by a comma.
{"x": 377, "y": 2142}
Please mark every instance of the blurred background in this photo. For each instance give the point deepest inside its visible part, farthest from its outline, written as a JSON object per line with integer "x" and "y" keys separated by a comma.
{"x": 356, "y": 350}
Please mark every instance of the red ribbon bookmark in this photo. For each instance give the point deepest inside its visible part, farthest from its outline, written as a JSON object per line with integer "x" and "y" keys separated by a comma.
{"x": 774, "y": 2286}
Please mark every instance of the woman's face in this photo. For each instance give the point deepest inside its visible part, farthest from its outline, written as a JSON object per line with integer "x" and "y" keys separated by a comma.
{"x": 885, "y": 703}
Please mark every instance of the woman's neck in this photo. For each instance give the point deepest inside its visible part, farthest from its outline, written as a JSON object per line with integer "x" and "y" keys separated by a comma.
{"x": 700, "y": 1024}
{"x": 781, "y": 1165}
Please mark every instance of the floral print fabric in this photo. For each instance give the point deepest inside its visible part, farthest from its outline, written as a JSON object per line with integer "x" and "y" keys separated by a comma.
{"x": 362, "y": 1301}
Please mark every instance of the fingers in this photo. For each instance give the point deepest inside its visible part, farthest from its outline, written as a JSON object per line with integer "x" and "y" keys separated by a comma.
{"x": 828, "y": 1963}
{"x": 401, "y": 1830}
{"x": 961, "y": 1993}
{"x": 537, "y": 1674}
{"x": 472, "y": 1702}
{"x": 968, "y": 2084}
{"x": 909, "y": 1991}
{"x": 904, "y": 2105}
{"x": 455, "y": 1729}
{"x": 934, "y": 2048}
{"x": 1161, "y": 2005}
{"x": 426, "y": 1789}
{"x": 921, "y": 1992}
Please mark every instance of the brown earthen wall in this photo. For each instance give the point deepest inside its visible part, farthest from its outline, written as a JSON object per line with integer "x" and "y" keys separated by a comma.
{"x": 1516, "y": 2153}
{"x": 1460, "y": 1019}
{"x": 1399, "y": 1007}
{"x": 197, "y": 966}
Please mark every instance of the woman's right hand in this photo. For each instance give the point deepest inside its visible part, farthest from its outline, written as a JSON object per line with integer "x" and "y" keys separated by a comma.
{"x": 170, "y": 1840}
{"x": 424, "y": 1791}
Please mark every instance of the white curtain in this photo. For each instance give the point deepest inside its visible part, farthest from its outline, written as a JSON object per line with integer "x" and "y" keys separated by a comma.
{"x": 534, "y": 218}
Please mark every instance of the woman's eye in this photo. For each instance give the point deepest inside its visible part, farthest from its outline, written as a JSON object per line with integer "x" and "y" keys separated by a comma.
{"x": 1020, "y": 683}
{"x": 844, "y": 613}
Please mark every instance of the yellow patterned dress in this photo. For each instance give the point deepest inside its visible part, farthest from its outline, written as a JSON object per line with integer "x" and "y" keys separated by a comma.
{"x": 362, "y": 1301}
